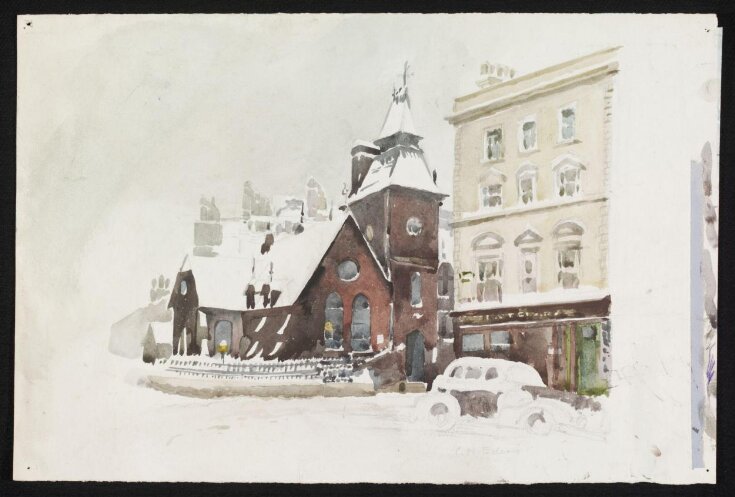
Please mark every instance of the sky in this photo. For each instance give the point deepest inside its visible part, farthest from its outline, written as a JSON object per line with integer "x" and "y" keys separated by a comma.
{"x": 124, "y": 121}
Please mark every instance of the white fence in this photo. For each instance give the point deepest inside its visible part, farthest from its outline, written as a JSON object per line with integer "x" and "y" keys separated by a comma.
{"x": 316, "y": 370}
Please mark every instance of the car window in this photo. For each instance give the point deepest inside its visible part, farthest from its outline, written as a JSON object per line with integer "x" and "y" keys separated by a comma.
{"x": 473, "y": 373}
{"x": 456, "y": 372}
{"x": 491, "y": 373}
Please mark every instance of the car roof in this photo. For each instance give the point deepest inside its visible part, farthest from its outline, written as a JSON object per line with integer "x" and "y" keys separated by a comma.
{"x": 519, "y": 372}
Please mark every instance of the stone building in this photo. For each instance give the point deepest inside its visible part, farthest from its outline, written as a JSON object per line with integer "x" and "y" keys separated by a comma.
{"x": 445, "y": 278}
{"x": 208, "y": 230}
{"x": 254, "y": 204}
{"x": 316, "y": 201}
{"x": 532, "y": 161}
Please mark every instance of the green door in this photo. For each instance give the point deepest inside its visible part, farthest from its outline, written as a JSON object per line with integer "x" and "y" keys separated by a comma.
{"x": 588, "y": 350}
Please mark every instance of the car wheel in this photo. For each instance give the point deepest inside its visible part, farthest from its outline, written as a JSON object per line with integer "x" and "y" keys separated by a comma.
{"x": 440, "y": 411}
{"x": 539, "y": 422}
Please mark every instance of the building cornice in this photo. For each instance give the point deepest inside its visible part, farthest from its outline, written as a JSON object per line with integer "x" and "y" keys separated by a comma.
{"x": 481, "y": 217}
{"x": 540, "y": 89}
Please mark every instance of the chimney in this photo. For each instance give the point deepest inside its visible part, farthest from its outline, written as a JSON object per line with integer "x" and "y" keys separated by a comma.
{"x": 265, "y": 292}
{"x": 266, "y": 246}
{"x": 363, "y": 153}
{"x": 492, "y": 74}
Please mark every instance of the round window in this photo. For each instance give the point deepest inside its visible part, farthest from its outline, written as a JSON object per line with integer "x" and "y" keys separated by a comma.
{"x": 414, "y": 226}
{"x": 348, "y": 270}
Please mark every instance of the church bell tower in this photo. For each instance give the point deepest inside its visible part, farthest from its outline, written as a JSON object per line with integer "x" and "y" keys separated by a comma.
{"x": 395, "y": 200}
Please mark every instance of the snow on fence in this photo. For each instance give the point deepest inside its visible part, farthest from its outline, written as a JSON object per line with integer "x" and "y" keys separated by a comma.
{"x": 311, "y": 370}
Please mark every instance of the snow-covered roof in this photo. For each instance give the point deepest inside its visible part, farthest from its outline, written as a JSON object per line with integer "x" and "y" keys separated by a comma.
{"x": 399, "y": 115}
{"x": 221, "y": 280}
{"x": 236, "y": 239}
{"x": 401, "y": 162}
{"x": 399, "y": 166}
{"x": 296, "y": 257}
{"x": 162, "y": 331}
{"x": 363, "y": 143}
{"x": 556, "y": 296}
{"x": 265, "y": 219}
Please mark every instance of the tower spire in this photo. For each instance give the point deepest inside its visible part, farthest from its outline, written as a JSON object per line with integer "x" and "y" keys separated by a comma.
{"x": 395, "y": 158}
{"x": 399, "y": 117}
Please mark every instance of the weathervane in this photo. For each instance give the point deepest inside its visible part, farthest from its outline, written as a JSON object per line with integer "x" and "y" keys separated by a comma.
{"x": 402, "y": 92}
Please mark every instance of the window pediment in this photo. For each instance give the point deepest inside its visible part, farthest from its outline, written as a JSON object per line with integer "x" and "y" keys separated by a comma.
{"x": 568, "y": 229}
{"x": 527, "y": 168}
{"x": 488, "y": 241}
{"x": 567, "y": 160}
{"x": 528, "y": 236}
{"x": 493, "y": 175}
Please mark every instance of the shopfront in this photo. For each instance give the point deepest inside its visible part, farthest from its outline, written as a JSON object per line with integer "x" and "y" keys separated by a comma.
{"x": 568, "y": 344}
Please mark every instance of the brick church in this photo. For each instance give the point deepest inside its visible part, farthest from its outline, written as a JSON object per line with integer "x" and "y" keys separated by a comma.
{"x": 355, "y": 285}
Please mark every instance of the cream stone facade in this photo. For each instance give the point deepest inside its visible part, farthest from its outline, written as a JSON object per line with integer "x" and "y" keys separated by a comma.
{"x": 532, "y": 163}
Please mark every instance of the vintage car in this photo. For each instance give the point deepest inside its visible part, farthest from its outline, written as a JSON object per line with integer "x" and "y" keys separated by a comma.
{"x": 512, "y": 393}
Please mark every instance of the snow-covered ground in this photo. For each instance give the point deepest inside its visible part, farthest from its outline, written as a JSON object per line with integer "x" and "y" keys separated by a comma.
{"x": 108, "y": 427}
{"x": 128, "y": 432}
{"x": 98, "y": 423}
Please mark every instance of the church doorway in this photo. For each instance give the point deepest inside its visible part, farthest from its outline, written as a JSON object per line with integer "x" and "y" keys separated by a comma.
{"x": 415, "y": 356}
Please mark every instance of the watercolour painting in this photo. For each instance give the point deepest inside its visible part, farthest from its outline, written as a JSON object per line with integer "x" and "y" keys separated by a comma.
{"x": 459, "y": 248}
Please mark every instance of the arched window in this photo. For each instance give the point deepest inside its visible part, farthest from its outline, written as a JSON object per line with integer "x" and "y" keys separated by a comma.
{"x": 333, "y": 319}
{"x": 445, "y": 279}
{"x": 360, "y": 329}
{"x": 223, "y": 333}
{"x": 488, "y": 255}
{"x": 183, "y": 288}
{"x": 568, "y": 245}
{"x": 415, "y": 289}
